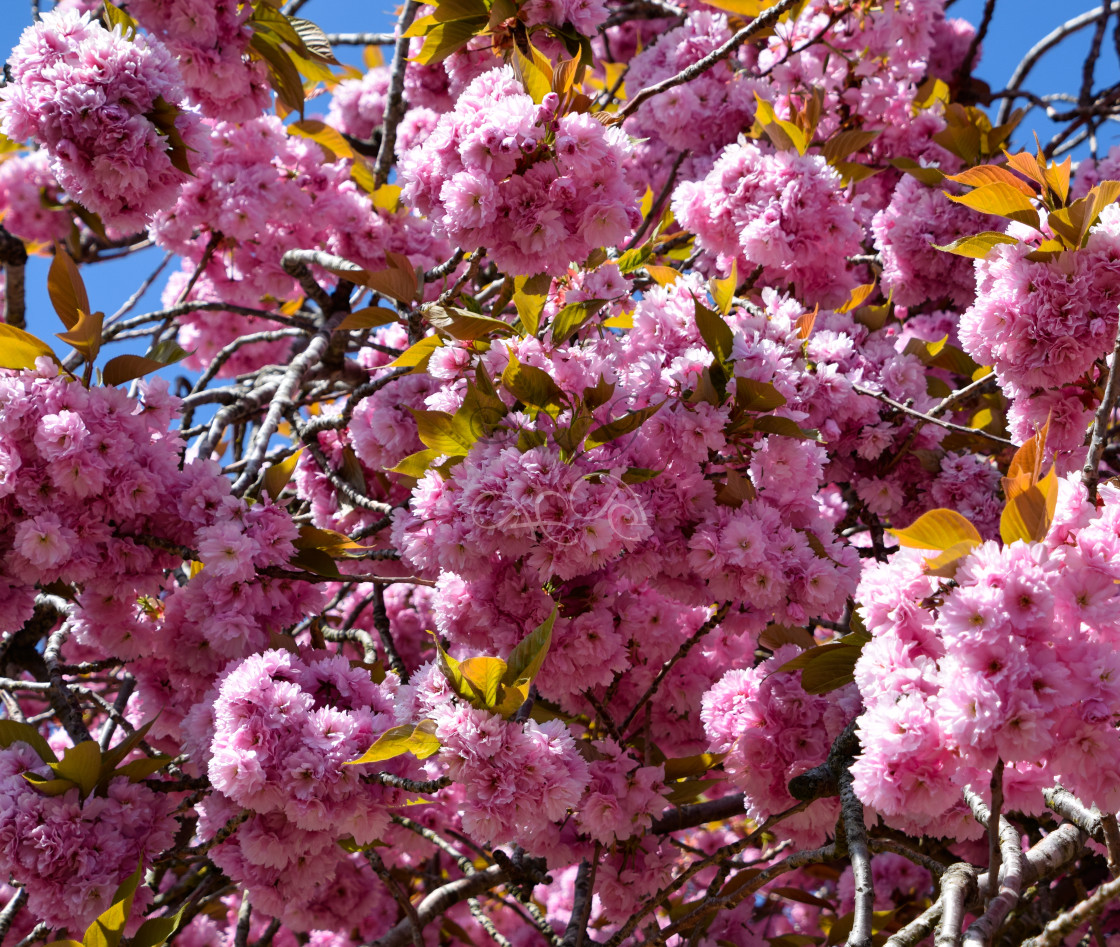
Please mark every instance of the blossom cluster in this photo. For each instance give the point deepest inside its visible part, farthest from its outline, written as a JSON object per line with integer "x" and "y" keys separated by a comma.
{"x": 502, "y": 172}
{"x": 105, "y": 109}
{"x": 209, "y": 41}
{"x": 1016, "y": 660}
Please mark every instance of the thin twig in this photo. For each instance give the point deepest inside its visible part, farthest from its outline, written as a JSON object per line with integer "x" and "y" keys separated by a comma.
{"x": 1090, "y": 472}
{"x": 763, "y": 21}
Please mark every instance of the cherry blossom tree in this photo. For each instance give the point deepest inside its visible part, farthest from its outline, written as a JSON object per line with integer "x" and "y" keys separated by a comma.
{"x": 616, "y": 472}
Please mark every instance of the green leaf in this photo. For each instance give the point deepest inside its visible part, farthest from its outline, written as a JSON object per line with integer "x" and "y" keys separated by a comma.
{"x": 751, "y": 395}
{"x": 419, "y": 740}
{"x": 108, "y": 929}
{"x": 167, "y": 352}
{"x": 318, "y": 562}
{"x": 314, "y": 40}
{"x": 12, "y": 731}
{"x": 846, "y": 143}
{"x": 155, "y": 931}
{"x": 977, "y": 246}
{"x": 464, "y": 325}
{"x": 599, "y": 395}
{"x": 626, "y": 424}
{"x": 111, "y": 758}
{"x": 634, "y": 259}
{"x": 689, "y": 791}
{"x": 141, "y": 769}
{"x": 526, "y": 659}
{"x": 66, "y": 288}
{"x": 639, "y": 474}
{"x": 283, "y": 75}
{"x": 82, "y": 765}
{"x": 770, "y": 424}
{"x": 112, "y": 15}
{"x": 446, "y": 38}
{"x": 164, "y": 116}
{"x": 572, "y": 317}
{"x": 716, "y": 333}
{"x": 826, "y": 667}
{"x": 532, "y": 386}
{"x": 687, "y": 766}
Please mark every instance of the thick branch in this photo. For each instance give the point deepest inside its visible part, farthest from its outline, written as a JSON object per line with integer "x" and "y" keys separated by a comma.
{"x": 982, "y": 931}
{"x": 440, "y": 900}
{"x": 958, "y": 886}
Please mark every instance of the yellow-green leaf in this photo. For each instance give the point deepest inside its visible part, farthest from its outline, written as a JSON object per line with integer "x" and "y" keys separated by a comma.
{"x": 108, "y": 929}
{"x": 977, "y": 246}
{"x": 529, "y": 306}
{"x": 464, "y": 325}
{"x": 277, "y": 476}
{"x": 112, "y": 15}
{"x": 482, "y": 675}
{"x": 81, "y": 764}
{"x": 419, "y": 740}
{"x": 723, "y": 290}
{"x": 19, "y": 349}
{"x": 443, "y": 39}
{"x": 526, "y": 659}
{"x": 416, "y": 356}
{"x": 329, "y": 139}
{"x": 444, "y": 432}
{"x": 937, "y": 529}
{"x": 534, "y": 75}
{"x": 416, "y": 465}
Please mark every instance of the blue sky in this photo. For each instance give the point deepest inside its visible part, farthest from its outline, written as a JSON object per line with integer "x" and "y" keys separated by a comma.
{"x": 1018, "y": 24}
